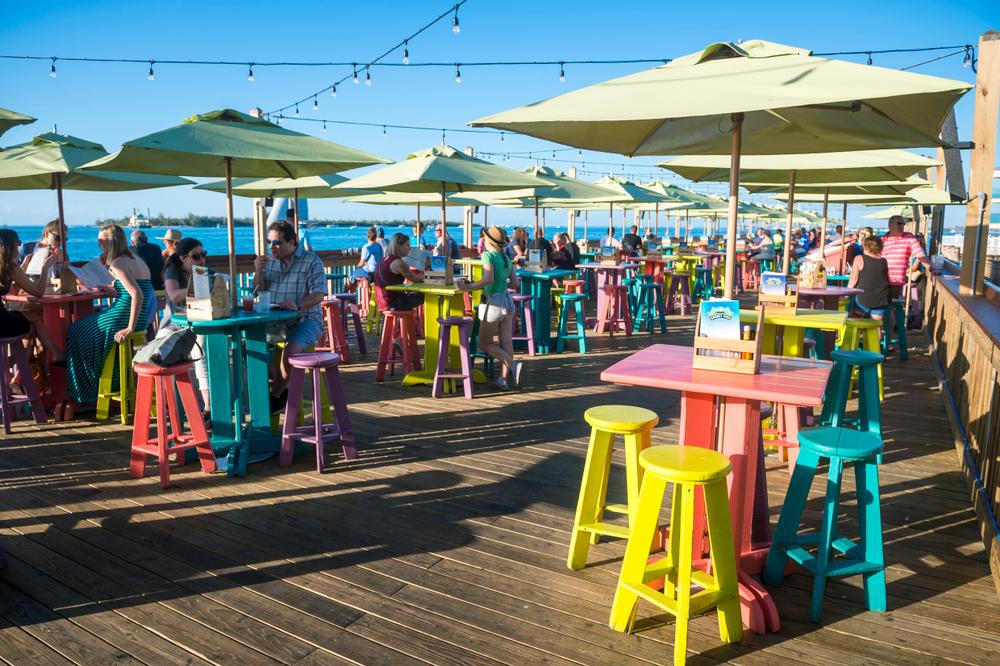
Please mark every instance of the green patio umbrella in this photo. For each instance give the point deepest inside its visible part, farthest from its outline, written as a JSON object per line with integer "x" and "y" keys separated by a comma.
{"x": 10, "y": 119}
{"x": 894, "y": 188}
{"x": 403, "y": 199}
{"x": 892, "y": 211}
{"x": 233, "y": 144}
{"x": 777, "y": 99}
{"x": 925, "y": 195}
{"x": 630, "y": 194}
{"x": 51, "y": 162}
{"x": 684, "y": 200}
{"x": 442, "y": 170}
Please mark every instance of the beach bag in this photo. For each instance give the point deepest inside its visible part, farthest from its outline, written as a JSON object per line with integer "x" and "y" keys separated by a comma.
{"x": 170, "y": 349}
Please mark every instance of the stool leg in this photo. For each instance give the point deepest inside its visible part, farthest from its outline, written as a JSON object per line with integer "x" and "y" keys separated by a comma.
{"x": 359, "y": 330}
{"x": 442, "y": 361}
{"x": 335, "y": 391}
{"x": 27, "y": 382}
{"x": 529, "y": 327}
{"x": 104, "y": 385}
{"x": 384, "y": 349}
{"x": 295, "y": 380}
{"x": 634, "y": 445}
{"x": 673, "y": 545}
{"x": 788, "y": 521}
{"x": 637, "y": 552}
{"x": 870, "y": 530}
{"x": 581, "y": 327}
{"x": 163, "y": 418}
{"x": 720, "y": 537}
{"x": 466, "y": 360}
{"x": 561, "y": 332}
{"x": 683, "y": 571}
{"x": 198, "y": 431}
{"x": 5, "y": 395}
{"x": 175, "y": 419}
{"x": 661, "y": 314}
{"x": 588, "y": 504}
{"x": 827, "y": 534}
{"x": 140, "y": 432}
{"x": 602, "y": 486}
{"x": 317, "y": 414}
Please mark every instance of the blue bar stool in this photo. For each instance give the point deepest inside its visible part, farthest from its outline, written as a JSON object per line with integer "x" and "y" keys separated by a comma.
{"x": 574, "y": 301}
{"x": 897, "y": 321}
{"x": 650, "y": 307}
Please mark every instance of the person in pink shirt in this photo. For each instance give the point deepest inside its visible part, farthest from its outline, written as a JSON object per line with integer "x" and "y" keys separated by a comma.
{"x": 899, "y": 249}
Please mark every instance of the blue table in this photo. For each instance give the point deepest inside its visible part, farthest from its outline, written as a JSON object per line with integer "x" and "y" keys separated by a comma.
{"x": 539, "y": 287}
{"x": 232, "y": 346}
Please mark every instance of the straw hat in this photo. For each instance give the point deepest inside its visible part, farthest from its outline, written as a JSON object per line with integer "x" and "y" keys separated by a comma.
{"x": 497, "y": 235}
{"x": 170, "y": 235}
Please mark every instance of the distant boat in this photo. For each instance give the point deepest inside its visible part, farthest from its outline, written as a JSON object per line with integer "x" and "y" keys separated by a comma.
{"x": 138, "y": 221}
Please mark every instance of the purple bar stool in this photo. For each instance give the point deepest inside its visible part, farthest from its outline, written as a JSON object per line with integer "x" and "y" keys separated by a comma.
{"x": 318, "y": 433}
{"x": 525, "y": 332}
{"x": 351, "y": 309}
{"x": 14, "y": 346}
{"x": 464, "y": 326}
{"x": 679, "y": 288}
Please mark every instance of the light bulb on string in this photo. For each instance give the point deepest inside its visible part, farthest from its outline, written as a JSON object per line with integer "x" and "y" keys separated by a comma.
{"x": 150, "y": 76}
{"x": 458, "y": 74}
{"x": 454, "y": 22}
{"x": 869, "y": 57}
{"x": 967, "y": 60}
{"x": 355, "y": 78}
{"x": 562, "y": 73}
{"x": 406, "y": 52}
{"x": 52, "y": 69}
{"x": 368, "y": 79}
{"x": 324, "y": 125}
{"x": 296, "y": 110}
{"x": 385, "y": 132}
{"x": 501, "y": 137}
{"x": 315, "y": 104}
{"x": 250, "y": 74}
{"x": 333, "y": 90}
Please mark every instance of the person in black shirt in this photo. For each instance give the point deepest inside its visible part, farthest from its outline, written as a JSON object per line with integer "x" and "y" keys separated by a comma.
{"x": 151, "y": 254}
{"x": 632, "y": 241}
{"x": 541, "y": 243}
{"x": 567, "y": 254}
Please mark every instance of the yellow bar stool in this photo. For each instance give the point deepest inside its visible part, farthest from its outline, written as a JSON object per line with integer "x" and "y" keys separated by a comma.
{"x": 120, "y": 356}
{"x": 686, "y": 467}
{"x": 606, "y": 421}
{"x": 864, "y": 334}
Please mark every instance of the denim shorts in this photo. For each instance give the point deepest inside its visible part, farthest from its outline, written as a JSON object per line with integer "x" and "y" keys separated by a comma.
{"x": 305, "y": 331}
{"x": 878, "y": 312}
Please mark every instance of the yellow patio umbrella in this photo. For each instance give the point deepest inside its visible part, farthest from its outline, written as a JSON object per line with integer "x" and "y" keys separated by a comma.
{"x": 778, "y": 99}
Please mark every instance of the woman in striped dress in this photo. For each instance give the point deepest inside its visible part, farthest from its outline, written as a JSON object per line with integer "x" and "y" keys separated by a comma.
{"x": 91, "y": 339}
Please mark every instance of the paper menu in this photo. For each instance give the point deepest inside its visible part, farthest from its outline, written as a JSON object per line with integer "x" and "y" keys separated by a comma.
{"x": 93, "y": 274}
{"x": 719, "y": 319}
{"x": 38, "y": 258}
{"x": 417, "y": 259}
{"x": 773, "y": 284}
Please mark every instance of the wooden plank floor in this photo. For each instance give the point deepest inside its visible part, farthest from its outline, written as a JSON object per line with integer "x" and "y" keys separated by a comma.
{"x": 445, "y": 542}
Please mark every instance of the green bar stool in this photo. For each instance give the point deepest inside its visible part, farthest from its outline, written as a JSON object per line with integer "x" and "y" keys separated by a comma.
{"x": 897, "y": 321}
{"x": 632, "y": 285}
{"x": 118, "y": 365}
{"x": 838, "y": 445}
{"x": 650, "y": 307}
{"x": 703, "y": 285}
{"x": 574, "y": 301}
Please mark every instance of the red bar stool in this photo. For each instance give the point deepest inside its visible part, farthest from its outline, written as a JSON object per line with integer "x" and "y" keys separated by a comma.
{"x": 680, "y": 289}
{"x": 616, "y": 310}
{"x": 397, "y": 326}
{"x": 524, "y": 321}
{"x": 159, "y": 383}
{"x": 317, "y": 433}
{"x": 572, "y": 286}
{"x": 442, "y": 373}
{"x": 364, "y": 298}
{"x": 13, "y": 347}
{"x": 336, "y": 336}
{"x": 349, "y": 310}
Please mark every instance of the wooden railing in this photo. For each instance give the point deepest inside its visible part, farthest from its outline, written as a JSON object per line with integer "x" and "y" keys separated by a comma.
{"x": 965, "y": 332}
{"x": 337, "y": 263}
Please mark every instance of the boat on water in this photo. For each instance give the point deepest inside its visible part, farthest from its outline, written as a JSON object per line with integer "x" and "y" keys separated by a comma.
{"x": 138, "y": 221}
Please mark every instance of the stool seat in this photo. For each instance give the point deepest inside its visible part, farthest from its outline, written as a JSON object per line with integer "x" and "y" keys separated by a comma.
{"x": 314, "y": 360}
{"x": 455, "y": 321}
{"x": 571, "y": 297}
{"x": 621, "y": 419}
{"x": 856, "y": 357}
{"x": 685, "y": 464}
{"x": 154, "y": 370}
{"x": 840, "y": 442}
{"x": 859, "y": 322}
{"x": 521, "y": 298}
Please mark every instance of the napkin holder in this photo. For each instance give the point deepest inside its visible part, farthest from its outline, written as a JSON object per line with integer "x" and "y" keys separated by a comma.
{"x": 726, "y": 355}
{"x": 535, "y": 262}
{"x": 440, "y": 271}
{"x": 610, "y": 257}
{"x": 786, "y": 302}
{"x": 211, "y": 299}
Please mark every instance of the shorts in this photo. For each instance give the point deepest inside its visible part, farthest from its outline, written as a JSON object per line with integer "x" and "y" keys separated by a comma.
{"x": 877, "y": 312}
{"x": 496, "y": 307}
{"x": 305, "y": 331}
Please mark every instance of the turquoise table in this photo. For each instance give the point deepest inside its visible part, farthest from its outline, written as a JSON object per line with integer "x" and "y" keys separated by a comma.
{"x": 539, "y": 287}
{"x": 235, "y": 346}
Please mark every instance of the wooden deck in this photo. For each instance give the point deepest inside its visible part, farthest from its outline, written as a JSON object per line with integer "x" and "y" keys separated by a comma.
{"x": 444, "y": 543}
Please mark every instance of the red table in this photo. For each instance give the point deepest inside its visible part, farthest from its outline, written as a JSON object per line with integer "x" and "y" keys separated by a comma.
{"x": 721, "y": 411}
{"x": 606, "y": 274}
{"x": 656, "y": 266}
{"x": 826, "y": 298}
{"x": 58, "y": 312}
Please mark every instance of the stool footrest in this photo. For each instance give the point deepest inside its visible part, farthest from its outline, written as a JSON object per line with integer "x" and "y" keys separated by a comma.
{"x": 701, "y": 602}
{"x": 617, "y": 508}
{"x": 842, "y": 544}
{"x": 607, "y": 529}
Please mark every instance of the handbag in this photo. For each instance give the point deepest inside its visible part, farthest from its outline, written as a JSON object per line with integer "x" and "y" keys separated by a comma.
{"x": 170, "y": 349}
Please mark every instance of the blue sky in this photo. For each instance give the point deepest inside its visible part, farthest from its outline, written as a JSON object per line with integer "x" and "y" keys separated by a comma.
{"x": 112, "y": 103}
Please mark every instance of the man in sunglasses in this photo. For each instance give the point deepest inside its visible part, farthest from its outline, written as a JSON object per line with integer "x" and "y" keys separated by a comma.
{"x": 296, "y": 281}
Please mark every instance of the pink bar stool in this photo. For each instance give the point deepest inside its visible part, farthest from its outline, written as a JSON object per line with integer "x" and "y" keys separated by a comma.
{"x": 14, "y": 347}
{"x": 397, "y": 326}
{"x": 349, "y": 309}
{"x": 680, "y": 289}
{"x": 318, "y": 433}
{"x": 442, "y": 373}
{"x": 364, "y": 299}
{"x": 616, "y": 310}
{"x": 336, "y": 336}
{"x": 160, "y": 386}
{"x": 524, "y": 326}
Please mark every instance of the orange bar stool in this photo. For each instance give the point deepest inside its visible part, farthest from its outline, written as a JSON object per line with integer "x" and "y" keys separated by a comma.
{"x": 13, "y": 348}
{"x": 397, "y": 326}
{"x": 164, "y": 384}
{"x": 616, "y": 310}
{"x": 349, "y": 311}
{"x": 336, "y": 336}
{"x": 317, "y": 433}
{"x": 572, "y": 286}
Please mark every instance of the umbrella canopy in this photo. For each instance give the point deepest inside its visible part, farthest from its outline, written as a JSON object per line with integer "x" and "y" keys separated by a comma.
{"x": 10, "y": 119}
{"x": 809, "y": 168}
{"x": 924, "y": 195}
{"x": 892, "y": 211}
{"x": 875, "y": 188}
{"x": 309, "y": 187}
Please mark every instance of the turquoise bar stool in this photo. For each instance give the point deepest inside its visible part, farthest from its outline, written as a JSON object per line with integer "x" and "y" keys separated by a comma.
{"x": 632, "y": 285}
{"x": 489, "y": 368}
{"x": 704, "y": 288}
{"x": 838, "y": 445}
{"x": 650, "y": 308}
{"x": 574, "y": 301}
{"x": 897, "y": 321}
{"x": 836, "y": 396}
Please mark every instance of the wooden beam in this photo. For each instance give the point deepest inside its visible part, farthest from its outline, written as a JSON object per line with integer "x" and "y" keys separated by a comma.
{"x": 468, "y": 213}
{"x": 984, "y": 136}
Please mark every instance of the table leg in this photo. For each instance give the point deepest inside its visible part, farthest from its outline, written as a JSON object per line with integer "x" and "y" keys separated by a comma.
{"x": 262, "y": 443}
{"x": 222, "y": 388}
{"x": 56, "y": 317}
{"x": 542, "y": 293}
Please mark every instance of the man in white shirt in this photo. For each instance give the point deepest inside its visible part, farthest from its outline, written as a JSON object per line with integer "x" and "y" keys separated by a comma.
{"x": 610, "y": 240}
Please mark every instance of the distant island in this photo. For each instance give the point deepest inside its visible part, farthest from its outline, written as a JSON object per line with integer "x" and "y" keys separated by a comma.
{"x": 192, "y": 220}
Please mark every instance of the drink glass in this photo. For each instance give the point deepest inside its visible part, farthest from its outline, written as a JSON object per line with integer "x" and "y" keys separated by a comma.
{"x": 248, "y": 303}
{"x": 263, "y": 304}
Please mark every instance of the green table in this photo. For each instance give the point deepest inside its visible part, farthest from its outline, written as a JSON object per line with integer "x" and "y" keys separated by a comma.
{"x": 539, "y": 287}
{"x": 236, "y": 351}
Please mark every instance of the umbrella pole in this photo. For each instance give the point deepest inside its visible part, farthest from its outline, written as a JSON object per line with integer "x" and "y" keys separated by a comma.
{"x": 534, "y": 243}
{"x": 677, "y": 223}
{"x": 734, "y": 193}
{"x": 231, "y": 232}
{"x": 444, "y": 218}
{"x": 656, "y": 220}
{"x": 788, "y": 223}
{"x": 416, "y": 228}
{"x": 586, "y": 221}
{"x": 295, "y": 219}
{"x": 843, "y": 240}
{"x": 822, "y": 230}
{"x": 687, "y": 229}
{"x": 62, "y": 218}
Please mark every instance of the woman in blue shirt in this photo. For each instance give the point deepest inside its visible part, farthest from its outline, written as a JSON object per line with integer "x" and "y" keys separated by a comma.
{"x": 371, "y": 254}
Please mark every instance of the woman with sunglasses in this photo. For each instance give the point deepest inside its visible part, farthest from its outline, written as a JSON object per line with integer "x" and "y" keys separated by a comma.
{"x": 177, "y": 272}
{"x": 51, "y": 243}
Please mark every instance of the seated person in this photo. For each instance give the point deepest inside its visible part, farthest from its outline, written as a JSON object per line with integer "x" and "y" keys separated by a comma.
{"x": 393, "y": 270}
{"x": 762, "y": 250}
{"x": 610, "y": 240}
{"x": 542, "y": 243}
{"x": 517, "y": 248}
{"x": 296, "y": 281}
{"x": 632, "y": 241}
{"x": 151, "y": 254}
{"x": 51, "y": 241}
{"x": 176, "y": 279}
{"x": 870, "y": 272}
{"x": 21, "y": 321}
{"x": 440, "y": 250}
{"x": 567, "y": 254}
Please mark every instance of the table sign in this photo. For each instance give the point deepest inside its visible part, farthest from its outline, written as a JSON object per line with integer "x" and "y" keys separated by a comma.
{"x": 609, "y": 255}
{"x": 211, "y": 298}
{"x": 812, "y": 274}
{"x": 776, "y": 292}
{"x": 440, "y": 271}
{"x": 717, "y": 342}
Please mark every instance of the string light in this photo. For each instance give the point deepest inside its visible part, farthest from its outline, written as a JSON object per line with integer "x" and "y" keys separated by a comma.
{"x": 250, "y": 74}
{"x": 368, "y": 79}
{"x": 333, "y": 90}
{"x": 296, "y": 110}
{"x": 501, "y": 137}
{"x": 458, "y": 73}
{"x": 52, "y": 69}
{"x": 869, "y": 57}
{"x": 967, "y": 60}
{"x": 355, "y": 77}
{"x": 385, "y": 132}
{"x": 315, "y": 104}
{"x": 562, "y": 73}
{"x": 150, "y": 76}
{"x": 406, "y": 52}
{"x": 324, "y": 125}
{"x": 454, "y": 22}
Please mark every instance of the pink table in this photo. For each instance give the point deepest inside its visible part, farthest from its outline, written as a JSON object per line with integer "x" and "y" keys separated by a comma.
{"x": 827, "y": 298}
{"x": 606, "y": 275}
{"x": 721, "y": 411}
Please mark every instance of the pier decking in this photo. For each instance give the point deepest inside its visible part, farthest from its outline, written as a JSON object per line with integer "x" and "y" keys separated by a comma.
{"x": 446, "y": 541}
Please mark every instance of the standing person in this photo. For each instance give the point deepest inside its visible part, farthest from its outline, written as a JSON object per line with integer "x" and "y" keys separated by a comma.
{"x": 632, "y": 241}
{"x": 170, "y": 240}
{"x": 51, "y": 241}
{"x": 870, "y": 272}
{"x": 440, "y": 249}
{"x": 610, "y": 240}
{"x": 371, "y": 254}
{"x": 151, "y": 254}
{"x": 176, "y": 280}
{"x": 900, "y": 248}
{"x": 496, "y": 312}
{"x": 91, "y": 339}
{"x": 393, "y": 270}
{"x": 296, "y": 281}
{"x": 517, "y": 248}
{"x": 20, "y": 322}
{"x": 380, "y": 239}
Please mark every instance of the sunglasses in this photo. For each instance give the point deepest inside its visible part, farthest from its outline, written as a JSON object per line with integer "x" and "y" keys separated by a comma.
{"x": 275, "y": 243}
{"x": 198, "y": 256}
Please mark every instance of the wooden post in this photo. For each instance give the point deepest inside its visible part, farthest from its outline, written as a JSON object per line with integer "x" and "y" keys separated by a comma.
{"x": 822, "y": 230}
{"x": 62, "y": 218}
{"x": 534, "y": 238}
{"x": 295, "y": 215}
{"x": 786, "y": 255}
{"x": 734, "y": 200}
{"x": 416, "y": 227}
{"x": 984, "y": 136}
{"x": 687, "y": 222}
{"x": 656, "y": 219}
{"x": 677, "y": 223}
{"x": 843, "y": 246}
{"x": 571, "y": 215}
{"x": 467, "y": 214}
{"x": 259, "y": 217}
{"x": 586, "y": 223}
{"x": 444, "y": 217}
{"x": 231, "y": 233}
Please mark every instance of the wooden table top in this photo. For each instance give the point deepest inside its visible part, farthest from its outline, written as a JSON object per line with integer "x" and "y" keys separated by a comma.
{"x": 793, "y": 381}
{"x": 802, "y": 317}
{"x": 85, "y": 295}
{"x": 424, "y": 288}
{"x": 830, "y": 290}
